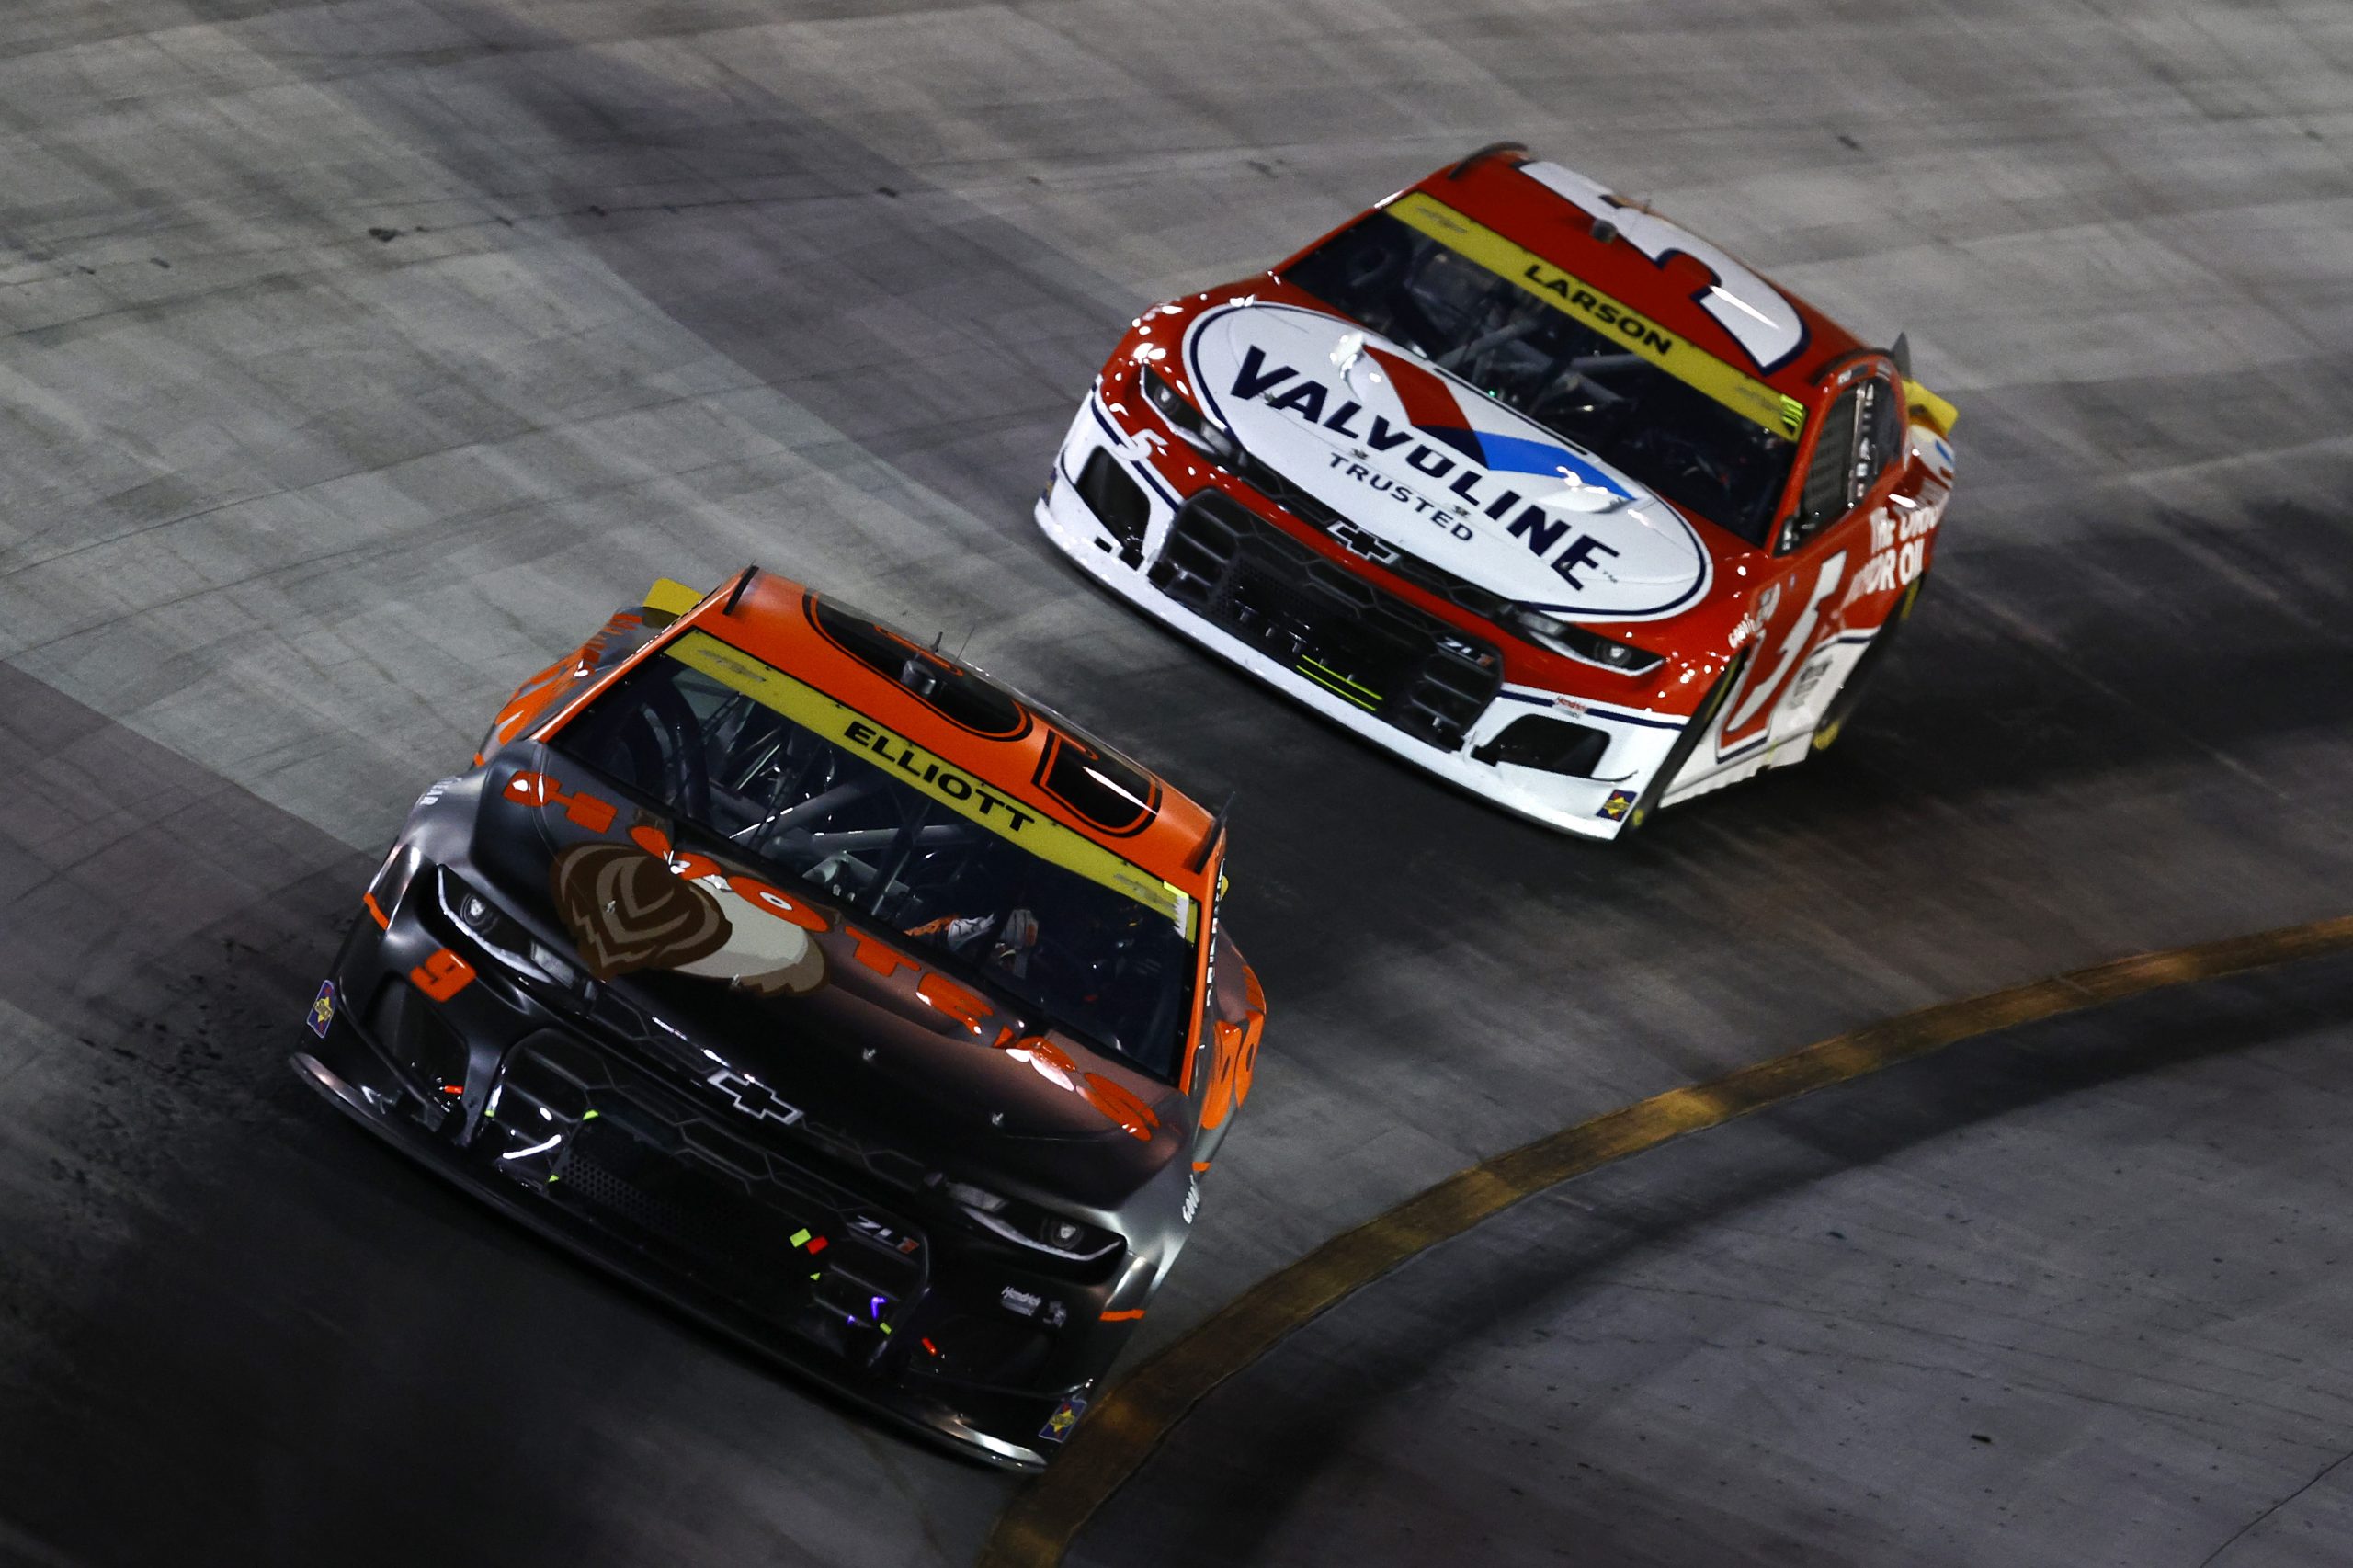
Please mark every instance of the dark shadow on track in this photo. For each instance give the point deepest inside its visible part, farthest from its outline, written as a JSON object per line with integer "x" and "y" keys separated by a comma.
{"x": 1258, "y": 1443}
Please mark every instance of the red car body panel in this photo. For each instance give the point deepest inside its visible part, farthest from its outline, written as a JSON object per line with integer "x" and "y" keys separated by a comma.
{"x": 1773, "y": 611}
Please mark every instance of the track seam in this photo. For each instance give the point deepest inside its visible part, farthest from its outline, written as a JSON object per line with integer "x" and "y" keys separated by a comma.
{"x": 1130, "y": 1423}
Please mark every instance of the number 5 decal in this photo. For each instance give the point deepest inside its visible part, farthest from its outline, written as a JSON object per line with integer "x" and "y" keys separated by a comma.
{"x": 1753, "y": 714}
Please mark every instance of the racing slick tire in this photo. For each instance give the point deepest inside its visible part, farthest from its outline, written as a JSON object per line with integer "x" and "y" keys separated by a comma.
{"x": 1850, "y": 696}
{"x": 1693, "y": 733}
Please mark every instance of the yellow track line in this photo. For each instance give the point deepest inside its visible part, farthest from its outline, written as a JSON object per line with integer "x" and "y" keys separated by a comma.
{"x": 1128, "y": 1423}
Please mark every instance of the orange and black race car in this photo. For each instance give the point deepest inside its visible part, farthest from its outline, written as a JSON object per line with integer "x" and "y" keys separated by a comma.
{"x": 814, "y": 981}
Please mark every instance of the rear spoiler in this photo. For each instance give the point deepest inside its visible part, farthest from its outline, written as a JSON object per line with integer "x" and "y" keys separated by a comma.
{"x": 670, "y": 599}
{"x": 1929, "y": 409}
{"x": 673, "y": 600}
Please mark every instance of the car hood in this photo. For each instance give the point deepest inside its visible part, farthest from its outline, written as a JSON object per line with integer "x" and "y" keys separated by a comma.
{"x": 1428, "y": 464}
{"x": 772, "y": 997}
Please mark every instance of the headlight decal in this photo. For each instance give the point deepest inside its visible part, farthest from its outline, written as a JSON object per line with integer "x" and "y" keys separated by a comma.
{"x": 1576, "y": 642}
{"x": 1182, "y": 416}
{"x": 1026, "y": 1225}
{"x": 501, "y": 936}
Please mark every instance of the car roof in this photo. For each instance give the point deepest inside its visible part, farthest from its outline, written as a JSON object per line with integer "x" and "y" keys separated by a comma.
{"x": 787, "y": 625}
{"x": 1521, "y": 198}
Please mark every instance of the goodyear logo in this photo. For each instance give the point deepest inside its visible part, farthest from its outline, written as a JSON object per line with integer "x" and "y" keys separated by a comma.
{"x": 1694, "y": 367}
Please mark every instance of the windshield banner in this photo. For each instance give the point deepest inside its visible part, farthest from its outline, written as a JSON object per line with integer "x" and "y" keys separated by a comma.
{"x": 920, "y": 770}
{"x": 1743, "y": 394}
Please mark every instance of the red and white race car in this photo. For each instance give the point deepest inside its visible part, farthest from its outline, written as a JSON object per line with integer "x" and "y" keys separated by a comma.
{"x": 1524, "y": 482}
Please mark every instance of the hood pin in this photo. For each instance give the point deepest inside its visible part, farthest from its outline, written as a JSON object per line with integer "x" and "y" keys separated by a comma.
{"x": 867, "y": 1054}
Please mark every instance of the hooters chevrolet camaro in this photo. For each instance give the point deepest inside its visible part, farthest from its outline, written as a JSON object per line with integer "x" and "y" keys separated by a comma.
{"x": 859, "y": 1006}
{"x": 1525, "y": 483}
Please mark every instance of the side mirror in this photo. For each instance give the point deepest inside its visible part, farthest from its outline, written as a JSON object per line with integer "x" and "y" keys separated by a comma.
{"x": 1901, "y": 355}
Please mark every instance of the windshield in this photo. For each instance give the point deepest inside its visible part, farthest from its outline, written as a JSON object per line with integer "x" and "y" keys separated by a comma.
{"x": 1553, "y": 368}
{"x": 897, "y": 840}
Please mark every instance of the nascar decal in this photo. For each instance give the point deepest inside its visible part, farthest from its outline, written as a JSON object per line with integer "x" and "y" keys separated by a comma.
{"x": 1430, "y": 466}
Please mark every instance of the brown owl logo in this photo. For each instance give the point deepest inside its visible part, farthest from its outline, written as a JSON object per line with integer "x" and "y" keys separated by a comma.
{"x": 628, "y": 912}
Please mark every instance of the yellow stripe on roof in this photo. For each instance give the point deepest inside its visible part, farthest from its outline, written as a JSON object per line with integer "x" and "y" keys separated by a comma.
{"x": 955, "y": 787}
{"x": 1678, "y": 357}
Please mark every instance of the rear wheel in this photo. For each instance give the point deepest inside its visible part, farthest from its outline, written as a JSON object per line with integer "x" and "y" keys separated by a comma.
{"x": 1693, "y": 733}
{"x": 1842, "y": 707}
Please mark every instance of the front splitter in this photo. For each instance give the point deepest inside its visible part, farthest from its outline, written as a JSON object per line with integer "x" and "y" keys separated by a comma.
{"x": 933, "y": 1422}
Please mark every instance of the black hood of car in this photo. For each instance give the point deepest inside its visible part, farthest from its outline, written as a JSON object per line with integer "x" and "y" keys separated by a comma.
{"x": 777, "y": 998}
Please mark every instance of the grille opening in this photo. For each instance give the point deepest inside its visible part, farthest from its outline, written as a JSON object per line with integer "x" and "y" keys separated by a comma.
{"x": 680, "y": 1178}
{"x": 1552, "y": 745}
{"x": 1364, "y": 645}
{"x": 1117, "y": 501}
{"x": 425, "y": 1046}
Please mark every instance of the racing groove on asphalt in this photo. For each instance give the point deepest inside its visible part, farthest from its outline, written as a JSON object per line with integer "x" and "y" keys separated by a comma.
{"x": 290, "y": 505}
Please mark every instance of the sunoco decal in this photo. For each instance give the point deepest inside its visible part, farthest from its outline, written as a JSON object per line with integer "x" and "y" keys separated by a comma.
{"x": 1436, "y": 469}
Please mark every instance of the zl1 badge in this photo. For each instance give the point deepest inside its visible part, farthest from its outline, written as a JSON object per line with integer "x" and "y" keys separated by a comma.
{"x": 323, "y": 1010}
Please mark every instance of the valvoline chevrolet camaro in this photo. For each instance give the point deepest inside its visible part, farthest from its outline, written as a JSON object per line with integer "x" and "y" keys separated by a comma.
{"x": 1525, "y": 483}
{"x": 821, "y": 985}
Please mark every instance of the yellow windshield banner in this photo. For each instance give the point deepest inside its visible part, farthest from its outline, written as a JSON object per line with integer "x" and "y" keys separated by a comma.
{"x": 920, "y": 770}
{"x": 1694, "y": 367}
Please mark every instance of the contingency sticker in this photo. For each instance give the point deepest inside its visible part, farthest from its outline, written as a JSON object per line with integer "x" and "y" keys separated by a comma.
{"x": 323, "y": 1010}
{"x": 1064, "y": 1417}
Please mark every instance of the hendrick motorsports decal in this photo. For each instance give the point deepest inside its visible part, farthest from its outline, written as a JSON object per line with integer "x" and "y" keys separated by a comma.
{"x": 1430, "y": 466}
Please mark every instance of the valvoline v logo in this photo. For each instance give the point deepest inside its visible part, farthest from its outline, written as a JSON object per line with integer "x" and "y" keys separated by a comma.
{"x": 1436, "y": 411}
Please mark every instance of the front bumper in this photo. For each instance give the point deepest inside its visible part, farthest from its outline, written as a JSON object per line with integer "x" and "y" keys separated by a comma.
{"x": 1126, "y": 559}
{"x": 569, "y": 1129}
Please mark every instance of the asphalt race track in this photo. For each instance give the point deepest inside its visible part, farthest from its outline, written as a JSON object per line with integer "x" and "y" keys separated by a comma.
{"x": 361, "y": 357}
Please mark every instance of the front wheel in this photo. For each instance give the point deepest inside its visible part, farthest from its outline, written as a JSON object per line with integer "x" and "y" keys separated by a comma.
{"x": 1693, "y": 733}
{"x": 1842, "y": 707}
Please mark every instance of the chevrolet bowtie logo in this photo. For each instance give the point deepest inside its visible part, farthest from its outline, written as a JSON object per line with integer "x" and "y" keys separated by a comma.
{"x": 753, "y": 1098}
